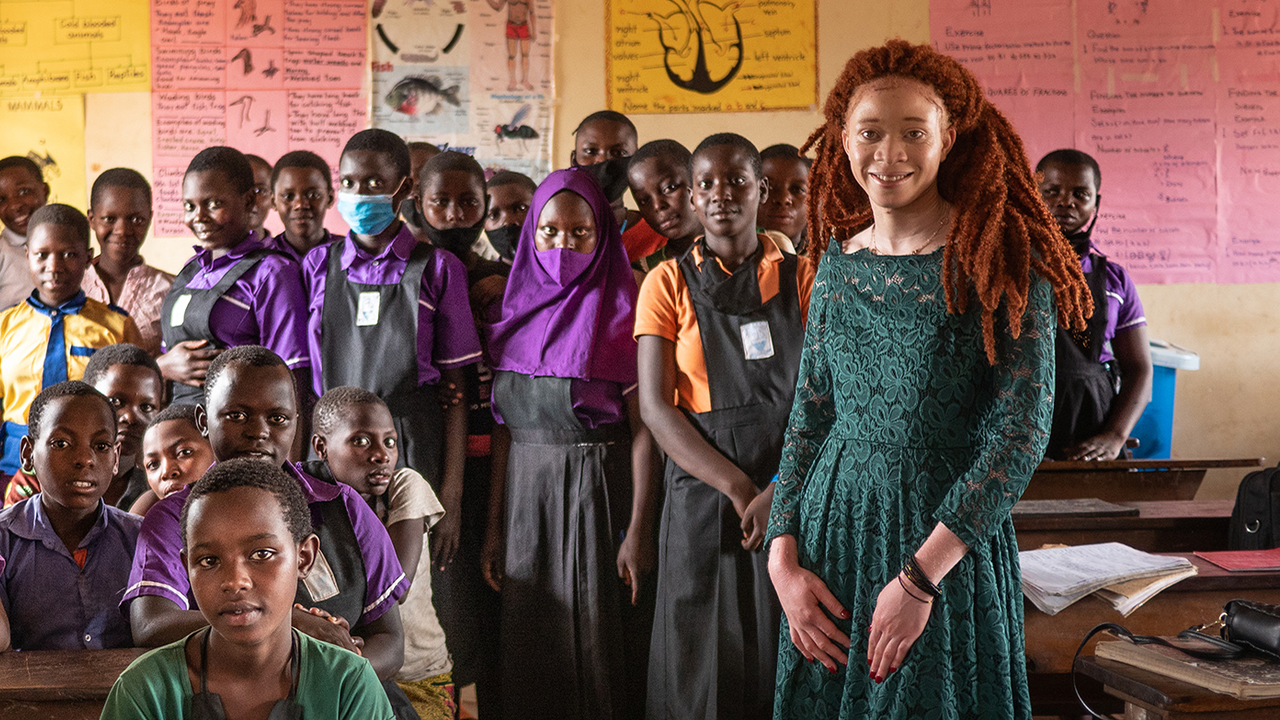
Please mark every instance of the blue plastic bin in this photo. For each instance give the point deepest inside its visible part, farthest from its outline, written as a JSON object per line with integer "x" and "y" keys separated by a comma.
{"x": 1155, "y": 428}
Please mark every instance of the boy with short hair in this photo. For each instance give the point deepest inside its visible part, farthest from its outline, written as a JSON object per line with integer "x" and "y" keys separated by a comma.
{"x": 302, "y": 192}
{"x": 131, "y": 382}
{"x": 659, "y": 176}
{"x": 247, "y": 543}
{"x": 22, "y": 191}
{"x": 356, "y": 441}
{"x": 67, "y": 552}
{"x": 786, "y": 209}
{"x": 120, "y": 215}
{"x": 174, "y": 455}
{"x": 57, "y": 329}
{"x": 510, "y": 194}
{"x": 262, "y": 172}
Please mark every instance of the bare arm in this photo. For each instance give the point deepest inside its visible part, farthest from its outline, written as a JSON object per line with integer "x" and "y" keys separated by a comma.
{"x": 157, "y": 621}
{"x": 4, "y": 630}
{"x": 406, "y": 537}
{"x": 637, "y": 555}
{"x": 492, "y": 557}
{"x": 384, "y": 643}
{"x": 449, "y": 529}
{"x": 675, "y": 435}
{"x": 1133, "y": 355}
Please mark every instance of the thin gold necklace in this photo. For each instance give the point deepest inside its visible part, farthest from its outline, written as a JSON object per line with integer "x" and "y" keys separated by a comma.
{"x": 917, "y": 251}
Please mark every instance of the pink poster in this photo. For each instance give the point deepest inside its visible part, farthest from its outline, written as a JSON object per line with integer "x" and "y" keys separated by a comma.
{"x": 1146, "y": 111}
{"x": 1023, "y": 52}
{"x": 1249, "y": 141}
{"x": 263, "y": 76}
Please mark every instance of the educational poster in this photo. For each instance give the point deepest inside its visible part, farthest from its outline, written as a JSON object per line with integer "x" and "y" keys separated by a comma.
{"x": 50, "y": 131}
{"x": 687, "y": 56}
{"x": 73, "y": 46}
{"x": 1145, "y": 86}
{"x": 263, "y": 76}
{"x": 470, "y": 75}
{"x": 1249, "y": 141}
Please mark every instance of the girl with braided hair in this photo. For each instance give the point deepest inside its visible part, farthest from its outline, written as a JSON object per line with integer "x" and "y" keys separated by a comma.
{"x": 923, "y": 404}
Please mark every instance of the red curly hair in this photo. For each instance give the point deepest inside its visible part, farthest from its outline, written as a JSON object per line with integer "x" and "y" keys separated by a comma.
{"x": 1002, "y": 232}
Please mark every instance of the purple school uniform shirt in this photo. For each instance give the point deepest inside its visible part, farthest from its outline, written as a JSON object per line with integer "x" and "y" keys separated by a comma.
{"x": 280, "y": 243}
{"x": 264, "y": 307}
{"x": 52, "y": 603}
{"x": 446, "y": 331}
{"x": 1124, "y": 309}
{"x": 158, "y": 569}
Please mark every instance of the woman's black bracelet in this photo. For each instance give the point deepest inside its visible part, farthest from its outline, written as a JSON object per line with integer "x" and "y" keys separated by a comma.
{"x": 907, "y": 590}
{"x": 917, "y": 577}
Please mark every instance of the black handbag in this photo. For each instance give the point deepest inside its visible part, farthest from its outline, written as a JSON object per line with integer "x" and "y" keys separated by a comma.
{"x": 1243, "y": 626}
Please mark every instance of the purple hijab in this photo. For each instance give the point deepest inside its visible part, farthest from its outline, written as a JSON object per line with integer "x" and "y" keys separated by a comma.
{"x": 584, "y": 328}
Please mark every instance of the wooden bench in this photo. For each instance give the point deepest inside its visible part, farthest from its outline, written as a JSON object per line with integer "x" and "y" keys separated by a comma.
{"x": 1147, "y": 695}
{"x": 1158, "y": 526}
{"x": 1125, "y": 480}
{"x": 59, "y": 685}
{"x": 1051, "y": 641}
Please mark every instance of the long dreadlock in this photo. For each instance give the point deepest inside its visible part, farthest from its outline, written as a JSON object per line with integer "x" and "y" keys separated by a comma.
{"x": 1002, "y": 232}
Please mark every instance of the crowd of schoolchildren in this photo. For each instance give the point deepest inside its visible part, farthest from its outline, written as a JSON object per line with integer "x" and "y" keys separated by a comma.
{"x": 502, "y": 433}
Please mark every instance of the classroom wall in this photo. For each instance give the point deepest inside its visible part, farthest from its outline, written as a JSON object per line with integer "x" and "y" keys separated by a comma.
{"x": 1223, "y": 410}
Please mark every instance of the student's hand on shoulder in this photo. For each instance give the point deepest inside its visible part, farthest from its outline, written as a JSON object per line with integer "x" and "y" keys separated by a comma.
{"x": 448, "y": 394}
{"x": 444, "y": 537}
{"x": 188, "y": 362}
{"x": 637, "y": 557}
{"x": 493, "y": 559}
{"x": 1105, "y": 446}
{"x": 324, "y": 627}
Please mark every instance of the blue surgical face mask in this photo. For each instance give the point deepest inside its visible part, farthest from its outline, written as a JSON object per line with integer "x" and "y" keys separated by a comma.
{"x": 366, "y": 214}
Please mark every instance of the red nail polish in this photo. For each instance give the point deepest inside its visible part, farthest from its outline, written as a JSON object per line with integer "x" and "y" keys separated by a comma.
{"x": 846, "y": 614}
{"x": 879, "y": 680}
{"x": 833, "y": 670}
{"x": 872, "y": 675}
{"x": 893, "y": 669}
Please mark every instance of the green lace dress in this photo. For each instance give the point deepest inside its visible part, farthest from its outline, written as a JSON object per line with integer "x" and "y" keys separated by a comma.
{"x": 900, "y": 423}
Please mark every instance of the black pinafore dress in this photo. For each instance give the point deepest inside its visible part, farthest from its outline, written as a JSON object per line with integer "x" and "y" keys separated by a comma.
{"x": 568, "y": 501}
{"x": 1085, "y": 387}
{"x": 368, "y": 339}
{"x": 185, "y": 314}
{"x": 715, "y": 635}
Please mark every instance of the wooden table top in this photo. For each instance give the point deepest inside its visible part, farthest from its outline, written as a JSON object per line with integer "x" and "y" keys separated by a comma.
{"x": 1151, "y": 513}
{"x": 1166, "y": 694}
{"x": 55, "y": 675}
{"x": 1075, "y": 466}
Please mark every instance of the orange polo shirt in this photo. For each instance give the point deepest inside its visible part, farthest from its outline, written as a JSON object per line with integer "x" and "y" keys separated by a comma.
{"x": 665, "y": 309}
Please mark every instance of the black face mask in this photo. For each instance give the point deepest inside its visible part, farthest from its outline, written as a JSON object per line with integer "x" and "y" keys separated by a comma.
{"x": 411, "y": 214}
{"x": 1081, "y": 238}
{"x": 505, "y": 239}
{"x": 611, "y": 176}
{"x": 456, "y": 240}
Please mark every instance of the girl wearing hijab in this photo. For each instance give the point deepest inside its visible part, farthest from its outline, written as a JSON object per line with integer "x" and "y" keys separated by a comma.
{"x": 564, "y": 458}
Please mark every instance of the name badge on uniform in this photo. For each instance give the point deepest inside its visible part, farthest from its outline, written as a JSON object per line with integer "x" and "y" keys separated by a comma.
{"x": 757, "y": 342}
{"x": 367, "y": 309}
{"x": 179, "y": 313}
{"x": 321, "y": 582}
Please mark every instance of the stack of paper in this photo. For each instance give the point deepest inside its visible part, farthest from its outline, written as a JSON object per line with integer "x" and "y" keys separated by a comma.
{"x": 1055, "y": 578}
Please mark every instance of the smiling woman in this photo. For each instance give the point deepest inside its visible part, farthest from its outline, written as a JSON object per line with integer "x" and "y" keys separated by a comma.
{"x": 923, "y": 401}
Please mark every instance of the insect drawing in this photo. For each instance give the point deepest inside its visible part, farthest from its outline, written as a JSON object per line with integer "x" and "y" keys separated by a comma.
{"x": 514, "y": 130}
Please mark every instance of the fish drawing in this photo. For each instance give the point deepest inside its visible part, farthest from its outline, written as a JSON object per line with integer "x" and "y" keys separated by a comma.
{"x": 421, "y": 95}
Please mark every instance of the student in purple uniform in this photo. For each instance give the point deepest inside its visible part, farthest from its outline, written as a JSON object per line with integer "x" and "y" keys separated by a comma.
{"x": 302, "y": 192}
{"x": 235, "y": 291}
{"x": 120, "y": 215}
{"x": 577, "y": 530}
{"x": 1103, "y": 379}
{"x": 390, "y": 315}
{"x": 68, "y": 552}
{"x": 451, "y": 189}
{"x": 349, "y": 600}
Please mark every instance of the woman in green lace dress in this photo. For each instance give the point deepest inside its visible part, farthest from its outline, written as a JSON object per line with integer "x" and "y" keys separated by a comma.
{"x": 923, "y": 405}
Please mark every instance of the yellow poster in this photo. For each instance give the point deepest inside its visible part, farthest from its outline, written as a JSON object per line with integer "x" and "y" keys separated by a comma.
{"x": 686, "y": 56}
{"x": 74, "y": 46}
{"x": 50, "y": 131}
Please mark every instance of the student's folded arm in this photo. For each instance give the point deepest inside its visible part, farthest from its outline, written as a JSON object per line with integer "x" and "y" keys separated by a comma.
{"x": 656, "y": 360}
{"x": 157, "y": 621}
{"x": 384, "y": 642}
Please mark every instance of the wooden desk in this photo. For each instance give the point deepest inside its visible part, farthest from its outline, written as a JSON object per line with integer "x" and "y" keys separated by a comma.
{"x": 59, "y": 685}
{"x": 1148, "y": 695}
{"x": 1125, "y": 480}
{"x": 1051, "y": 641}
{"x": 1160, "y": 526}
